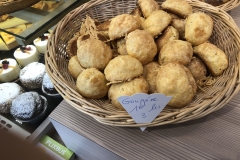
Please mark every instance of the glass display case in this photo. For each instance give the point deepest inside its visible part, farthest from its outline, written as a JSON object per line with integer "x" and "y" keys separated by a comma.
{"x": 41, "y": 20}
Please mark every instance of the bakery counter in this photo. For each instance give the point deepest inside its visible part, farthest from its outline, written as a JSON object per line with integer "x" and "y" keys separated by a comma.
{"x": 24, "y": 129}
{"x": 215, "y": 136}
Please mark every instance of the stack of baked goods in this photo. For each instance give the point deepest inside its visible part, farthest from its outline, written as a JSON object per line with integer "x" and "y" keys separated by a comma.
{"x": 16, "y": 25}
{"x": 24, "y": 99}
{"x": 13, "y": 25}
{"x": 154, "y": 49}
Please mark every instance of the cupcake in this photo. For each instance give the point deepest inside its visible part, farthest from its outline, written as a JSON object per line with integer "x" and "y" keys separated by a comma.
{"x": 9, "y": 70}
{"x": 26, "y": 55}
{"x": 31, "y": 76}
{"x": 8, "y": 91}
{"x": 29, "y": 107}
{"x": 48, "y": 87}
{"x": 41, "y": 43}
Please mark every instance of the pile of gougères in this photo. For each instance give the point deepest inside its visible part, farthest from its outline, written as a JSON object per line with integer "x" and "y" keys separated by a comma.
{"x": 154, "y": 49}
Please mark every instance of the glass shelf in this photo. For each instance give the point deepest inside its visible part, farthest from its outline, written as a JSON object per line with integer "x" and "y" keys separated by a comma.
{"x": 42, "y": 21}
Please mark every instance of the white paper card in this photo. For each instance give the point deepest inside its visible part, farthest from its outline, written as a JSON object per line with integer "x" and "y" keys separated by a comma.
{"x": 144, "y": 108}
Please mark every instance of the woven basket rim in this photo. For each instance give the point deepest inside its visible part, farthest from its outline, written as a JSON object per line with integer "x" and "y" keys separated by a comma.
{"x": 112, "y": 118}
{"x": 229, "y": 5}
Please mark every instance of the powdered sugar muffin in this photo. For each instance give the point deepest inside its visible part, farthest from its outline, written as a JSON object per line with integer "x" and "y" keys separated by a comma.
{"x": 31, "y": 75}
{"x": 8, "y": 91}
{"x": 48, "y": 87}
{"x": 28, "y": 107}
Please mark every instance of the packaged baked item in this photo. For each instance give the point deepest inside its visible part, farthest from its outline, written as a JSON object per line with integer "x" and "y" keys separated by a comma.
{"x": 148, "y": 6}
{"x": 31, "y": 76}
{"x": 9, "y": 70}
{"x": 179, "y": 7}
{"x": 169, "y": 34}
{"x": 121, "y": 25}
{"x": 213, "y": 57}
{"x": 91, "y": 83}
{"x": 74, "y": 67}
{"x": 123, "y": 68}
{"x": 26, "y": 55}
{"x": 137, "y": 85}
{"x": 150, "y": 71}
{"x": 8, "y": 91}
{"x": 29, "y": 107}
{"x": 198, "y": 28}
{"x": 93, "y": 56}
{"x": 174, "y": 79}
{"x": 197, "y": 68}
{"x": 41, "y": 43}
{"x": 156, "y": 22}
{"x": 140, "y": 45}
{"x": 48, "y": 87}
{"x": 176, "y": 51}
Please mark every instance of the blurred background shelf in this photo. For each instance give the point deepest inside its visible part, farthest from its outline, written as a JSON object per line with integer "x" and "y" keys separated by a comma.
{"x": 42, "y": 20}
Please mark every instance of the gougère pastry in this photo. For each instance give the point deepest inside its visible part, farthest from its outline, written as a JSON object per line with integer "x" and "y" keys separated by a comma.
{"x": 156, "y": 22}
{"x": 9, "y": 70}
{"x": 174, "y": 79}
{"x": 148, "y": 6}
{"x": 179, "y": 7}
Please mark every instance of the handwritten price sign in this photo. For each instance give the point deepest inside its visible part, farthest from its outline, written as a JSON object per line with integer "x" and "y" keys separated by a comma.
{"x": 144, "y": 108}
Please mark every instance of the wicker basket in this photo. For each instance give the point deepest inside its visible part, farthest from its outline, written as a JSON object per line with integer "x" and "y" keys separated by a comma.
{"x": 225, "y": 35}
{"x": 229, "y": 5}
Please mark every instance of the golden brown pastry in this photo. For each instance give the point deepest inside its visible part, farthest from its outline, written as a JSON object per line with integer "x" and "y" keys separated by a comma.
{"x": 74, "y": 67}
{"x": 176, "y": 51}
{"x": 150, "y": 71}
{"x": 198, "y": 28}
{"x": 72, "y": 46}
{"x": 93, "y": 53}
{"x": 136, "y": 12}
{"x": 174, "y": 16}
{"x": 121, "y": 46}
{"x": 148, "y": 6}
{"x": 214, "y": 58}
{"x": 140, "y": 44}
{"x": 169, "y": 34}
{"x": 179, "y": 7}
{"x": 121, "y": 25}
{"x": 156, "y": 22}
{"x": 91, "y": 83}
{"x": 174, "y": 79}
{"x": 179, "y": 25}
{"x": 137, "y": 85}
{"x": 103, "y": 28}
{"x": 123, "y": 68}
{"x": 197, "y": 68}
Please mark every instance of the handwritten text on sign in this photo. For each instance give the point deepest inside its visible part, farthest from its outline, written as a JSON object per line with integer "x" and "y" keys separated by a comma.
{"x": 144, "y": 108}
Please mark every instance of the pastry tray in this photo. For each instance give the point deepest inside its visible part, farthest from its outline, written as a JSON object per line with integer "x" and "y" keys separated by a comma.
{"x": 9, "y": 124}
